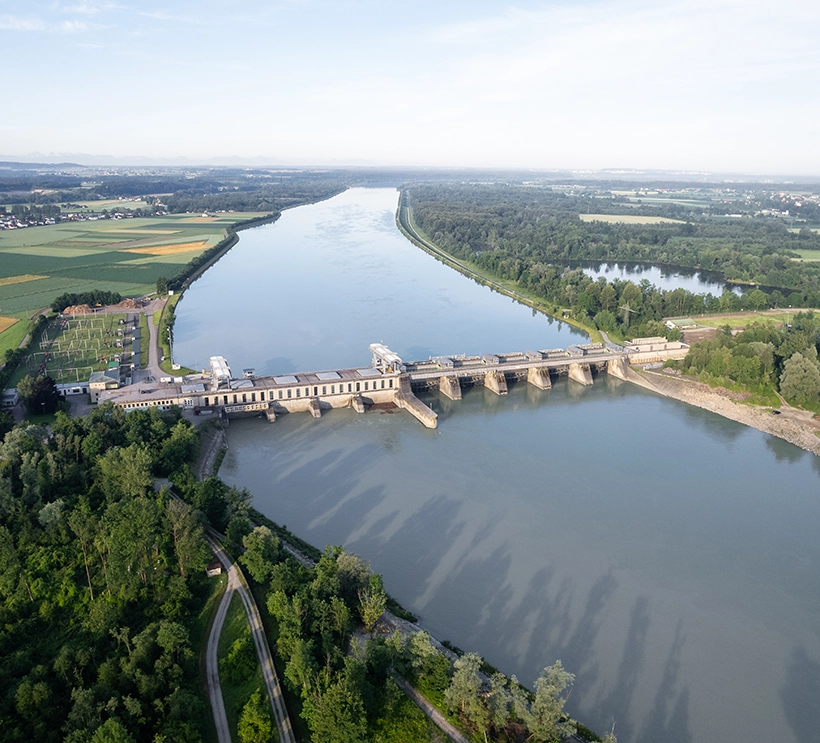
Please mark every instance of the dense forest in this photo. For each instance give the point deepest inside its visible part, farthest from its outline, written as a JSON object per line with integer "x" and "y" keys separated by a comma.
{"x": 99, "y": 580}
{"x": 528, "y": 235}
{"x": 534, "y": 225}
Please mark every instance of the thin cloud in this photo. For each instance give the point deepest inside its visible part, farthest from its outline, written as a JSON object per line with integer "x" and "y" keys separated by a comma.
{"x": 17, "y": 23}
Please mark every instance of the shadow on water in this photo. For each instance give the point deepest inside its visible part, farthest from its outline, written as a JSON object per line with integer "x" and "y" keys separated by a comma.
{"x": 784, "y": 451}
{"x": 668, "y": 719}
{"x": 800, "y": 695}
{"x": 619, "y": 700}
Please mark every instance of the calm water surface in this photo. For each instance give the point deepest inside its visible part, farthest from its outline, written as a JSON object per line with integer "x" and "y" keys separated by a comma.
{"x": 668, "y": 556}
{"x": 664, "y": 277}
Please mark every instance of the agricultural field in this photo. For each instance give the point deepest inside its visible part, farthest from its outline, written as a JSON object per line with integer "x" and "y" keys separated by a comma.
{"x": 809, "y": 255}
{"x": 107, "y": 205}
{"x": 127, "y": 256}
{"x": 70, "y": 349}
{"x": 744, "y": 319}
{"x": 626, "y": 219}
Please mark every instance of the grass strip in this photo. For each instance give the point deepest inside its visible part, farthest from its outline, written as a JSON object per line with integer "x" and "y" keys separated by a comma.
{"x": 145, "y": 340}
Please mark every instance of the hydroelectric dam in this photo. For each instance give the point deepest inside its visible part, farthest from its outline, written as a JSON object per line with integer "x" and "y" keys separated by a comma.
{"x": 388, "y": 380}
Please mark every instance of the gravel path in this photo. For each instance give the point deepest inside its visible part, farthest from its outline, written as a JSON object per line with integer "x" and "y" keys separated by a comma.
{"x": 236, "y": 582}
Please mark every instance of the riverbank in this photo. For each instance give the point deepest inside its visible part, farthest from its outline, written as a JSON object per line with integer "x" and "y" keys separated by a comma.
{"x": 408, "y": 228}
{"x": 798, "y": 427}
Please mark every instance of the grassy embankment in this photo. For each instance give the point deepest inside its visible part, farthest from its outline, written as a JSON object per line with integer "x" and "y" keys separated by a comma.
{"x": 145, "y": 340}
{"x": 239, "y": 670}
{"x": 164, "y": 320}
{"x": 416, "y": 235}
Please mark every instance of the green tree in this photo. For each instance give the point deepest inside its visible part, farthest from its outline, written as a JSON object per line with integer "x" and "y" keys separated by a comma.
{"x": 500, "y": 701}
{"x": 337, "y": 715}
{"x": 112, "y": 731}
{"x": 6, "y": 423}
{"x": 162, "y": 285}
{"x": 757, "y": 299}
{"x": 238, "y": 528}
{"x": 255, "y": 723}
{"x": 125, "y": 472}
{"x": 464, "y": 693}
{"x": 38, "y": 394}
{"x": 187, "y": 534}
{"x": 372, "y": 602}
{"x": 261, "y": 553}
{"x": 549, "y": 722}
{"x": 800, "y": 380}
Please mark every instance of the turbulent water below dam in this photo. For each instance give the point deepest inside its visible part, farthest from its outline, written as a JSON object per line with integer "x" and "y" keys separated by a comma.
{"x": 668, "y": 556}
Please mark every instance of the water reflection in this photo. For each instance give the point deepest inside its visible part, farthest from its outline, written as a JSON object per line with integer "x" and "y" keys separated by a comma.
{"x": 663, "y": 277}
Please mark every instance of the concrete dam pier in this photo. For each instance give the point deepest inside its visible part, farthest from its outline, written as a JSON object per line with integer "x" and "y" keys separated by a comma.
{"x": 387, "y": 381}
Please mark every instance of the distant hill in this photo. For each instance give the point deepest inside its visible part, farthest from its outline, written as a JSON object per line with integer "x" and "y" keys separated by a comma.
{"x": 10, "y": 165}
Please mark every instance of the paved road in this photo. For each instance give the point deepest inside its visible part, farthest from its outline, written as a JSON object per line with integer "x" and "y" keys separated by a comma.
{"x": 236, "y": 582}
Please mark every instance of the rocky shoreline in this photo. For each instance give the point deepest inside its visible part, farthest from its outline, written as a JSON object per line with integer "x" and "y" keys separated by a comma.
{"x": 796, "y": 426}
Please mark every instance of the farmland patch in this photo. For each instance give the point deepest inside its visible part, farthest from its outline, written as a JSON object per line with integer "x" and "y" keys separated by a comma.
{"x": 20, "y": 280}
{"x": 172, "y": 249}
{"x": 627, "y": 219}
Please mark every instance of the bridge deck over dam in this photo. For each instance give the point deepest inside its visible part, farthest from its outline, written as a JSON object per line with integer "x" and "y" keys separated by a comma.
{"x": 388, "y": 380}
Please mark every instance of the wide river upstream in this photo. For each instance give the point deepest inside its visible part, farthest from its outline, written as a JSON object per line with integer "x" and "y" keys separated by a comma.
{"x": 669, "y": 557}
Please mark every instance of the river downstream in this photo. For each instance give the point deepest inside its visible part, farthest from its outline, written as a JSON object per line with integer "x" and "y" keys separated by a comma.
{"x": 668, "y": 556}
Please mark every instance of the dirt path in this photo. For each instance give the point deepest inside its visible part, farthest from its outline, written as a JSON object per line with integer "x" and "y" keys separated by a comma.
{"x": 223, "y": 732}
{"x": 438, "y": 719}
{"x": 793, "y": 425}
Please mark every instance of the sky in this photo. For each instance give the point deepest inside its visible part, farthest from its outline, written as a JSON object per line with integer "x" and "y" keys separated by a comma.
{"x": 717, "y": 86}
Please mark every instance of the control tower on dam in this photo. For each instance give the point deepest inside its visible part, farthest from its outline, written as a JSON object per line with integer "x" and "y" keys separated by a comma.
{"x": 387, "y": 381}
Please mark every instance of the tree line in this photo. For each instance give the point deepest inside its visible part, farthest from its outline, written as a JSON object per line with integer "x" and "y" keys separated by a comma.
{"x": 93, "y": 298}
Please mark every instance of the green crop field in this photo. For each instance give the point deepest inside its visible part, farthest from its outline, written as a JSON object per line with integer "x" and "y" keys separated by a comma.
{"x": 12, "y": 335}
{"x": 123, "y": 255}
{"x": 70, "y": 349}
{"x": 809, "y": 255}
{"x": 37, "y": 264}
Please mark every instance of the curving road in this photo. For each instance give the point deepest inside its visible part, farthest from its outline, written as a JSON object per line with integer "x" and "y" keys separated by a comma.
{"x": 236, "y": 582}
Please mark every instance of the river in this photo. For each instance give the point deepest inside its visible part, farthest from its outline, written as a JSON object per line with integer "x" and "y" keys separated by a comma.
{"x": 668, "y": 556}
